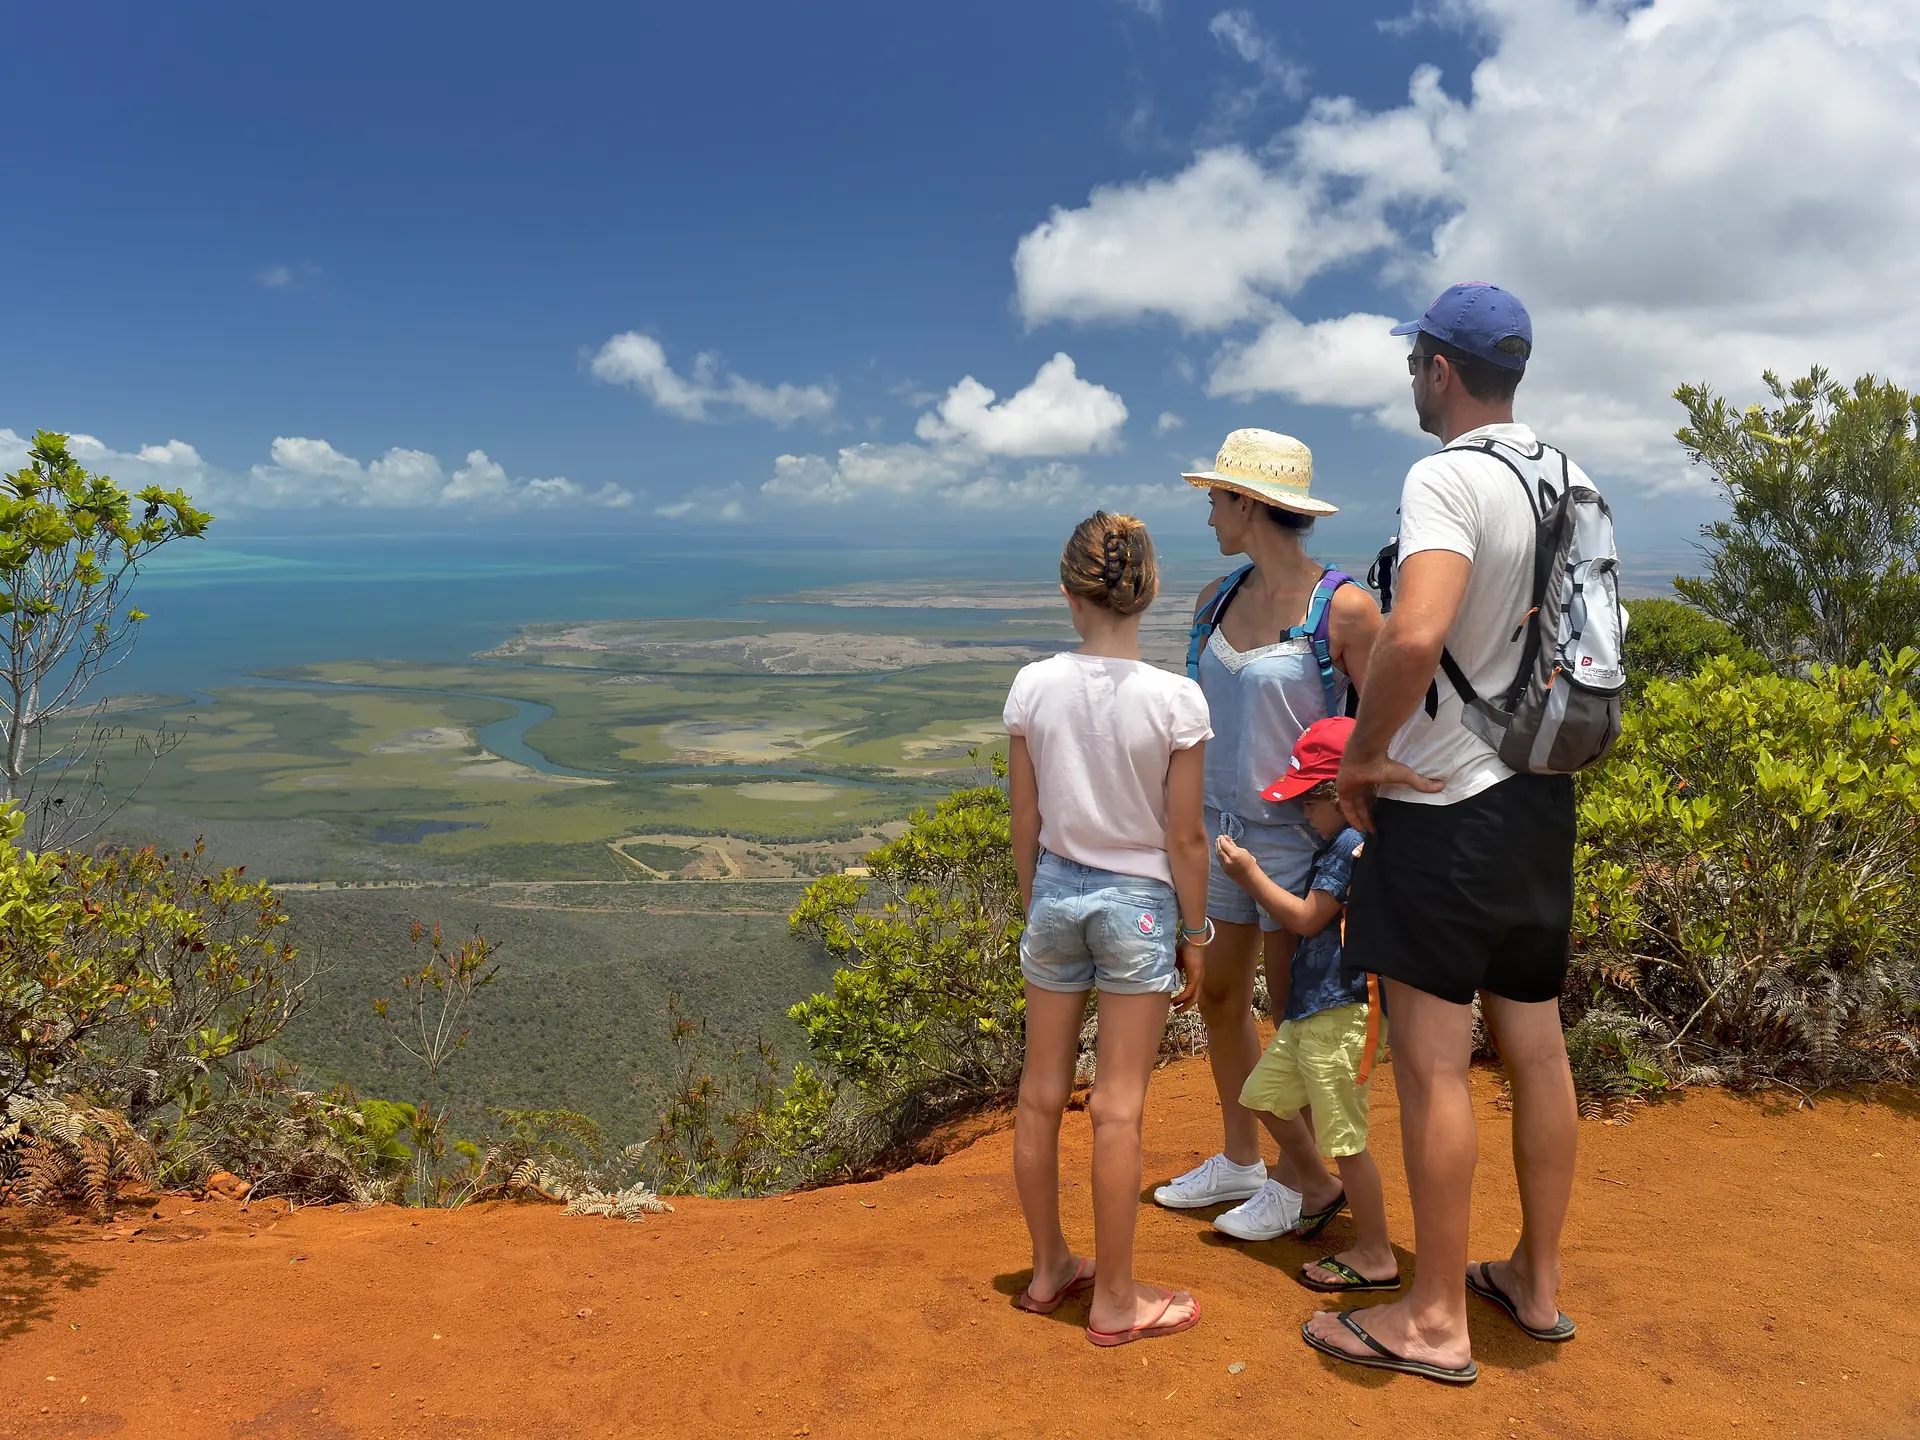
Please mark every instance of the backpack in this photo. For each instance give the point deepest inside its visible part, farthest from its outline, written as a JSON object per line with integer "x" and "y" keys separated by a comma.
{"x": 1561, "y": 714}
{"x": 1315, "y": 628}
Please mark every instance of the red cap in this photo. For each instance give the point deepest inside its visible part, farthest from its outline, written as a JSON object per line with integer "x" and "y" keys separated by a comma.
{"x": 1316, "y": 757}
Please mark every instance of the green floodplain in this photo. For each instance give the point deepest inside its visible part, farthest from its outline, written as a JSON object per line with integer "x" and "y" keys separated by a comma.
{"x": 628, "y": 808}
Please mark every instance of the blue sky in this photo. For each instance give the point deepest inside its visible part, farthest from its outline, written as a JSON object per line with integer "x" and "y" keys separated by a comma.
{"x": 330, "y": 254}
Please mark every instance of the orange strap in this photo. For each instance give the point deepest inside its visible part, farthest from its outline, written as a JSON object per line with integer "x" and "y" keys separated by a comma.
{"x": 1373, "y": 1031}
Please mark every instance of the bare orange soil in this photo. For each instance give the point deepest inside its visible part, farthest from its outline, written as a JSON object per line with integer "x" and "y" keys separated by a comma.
{"x": 1737, "y": 1267}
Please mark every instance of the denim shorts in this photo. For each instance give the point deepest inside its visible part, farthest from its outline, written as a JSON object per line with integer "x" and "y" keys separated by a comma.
{"x": 1088, "y": 927}
{"x": 1284, "y": 852}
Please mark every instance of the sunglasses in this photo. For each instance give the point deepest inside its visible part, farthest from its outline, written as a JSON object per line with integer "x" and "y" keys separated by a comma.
{"x": 1415, "y": 361}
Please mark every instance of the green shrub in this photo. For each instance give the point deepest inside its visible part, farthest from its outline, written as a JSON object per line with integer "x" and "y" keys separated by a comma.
{"x": 713, "y": 1137}
{"x": 136, "y": 977}
{"x": 1746, "y": 907}
{"x": 924, "y": 1021}
{"x": 1669, "y": 640}
{"x": 926, "y": 1015}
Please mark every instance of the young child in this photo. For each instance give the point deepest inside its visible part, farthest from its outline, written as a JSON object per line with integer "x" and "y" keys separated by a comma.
{"x": 1105, "y": 772}
{"x": 1323, "y": 1053}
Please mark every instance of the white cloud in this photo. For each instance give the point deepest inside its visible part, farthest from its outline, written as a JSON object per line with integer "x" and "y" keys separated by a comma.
{"x": 860, "y": 471}
{"x": 285, "y": 277}
{"x": 1057, "y": 414}
{"x": 1237, "y": 31}
{"x": 965, "y": 441}
{"x": 639, "y": 360}
{"x": 1681, "y": 189}
{"x": 1206, "y": 247}
{"x": 1350, "y": 360}
{"x": 306, "y": 474}
{"x": 919, "y": 476}
{"x": 1167, "y": 423}
{"x": 727, "y": 505}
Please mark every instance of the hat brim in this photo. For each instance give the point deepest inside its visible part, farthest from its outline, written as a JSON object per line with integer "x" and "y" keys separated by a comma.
{"x": 1412, "y": 327}
{"x": 1299, "y": 504}
{"x": 1289, "y": 787}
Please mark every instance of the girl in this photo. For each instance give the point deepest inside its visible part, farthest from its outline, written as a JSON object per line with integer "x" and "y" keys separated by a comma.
{"x": 1264, "y": 686}
{"x": 1106, "y": 775}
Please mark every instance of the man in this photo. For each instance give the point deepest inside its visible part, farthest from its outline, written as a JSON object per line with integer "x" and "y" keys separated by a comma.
{"x": 1465, "y": 883}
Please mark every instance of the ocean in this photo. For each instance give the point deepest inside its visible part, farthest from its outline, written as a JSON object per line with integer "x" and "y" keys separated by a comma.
{"x": 225, "y": 609}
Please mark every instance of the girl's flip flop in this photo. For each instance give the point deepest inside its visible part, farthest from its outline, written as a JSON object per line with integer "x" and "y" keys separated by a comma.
{"x": 1155, "y": 1327}
{"x": 1351, "y": 1280}
{"x": 1082, "y": 1281}
{"x": 1562, "y": 1329}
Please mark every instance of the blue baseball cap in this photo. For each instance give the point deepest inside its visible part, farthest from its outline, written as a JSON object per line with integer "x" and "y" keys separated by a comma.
{"x": 1476, "y": 317}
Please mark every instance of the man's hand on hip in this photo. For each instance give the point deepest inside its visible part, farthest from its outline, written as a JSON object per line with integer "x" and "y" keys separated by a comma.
{"x": 1361, "y": 777}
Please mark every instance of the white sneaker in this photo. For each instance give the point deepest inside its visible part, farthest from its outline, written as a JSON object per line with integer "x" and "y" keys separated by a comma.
{"x": 1272, "y": 1212}
{"x": 1214, "y": 1181}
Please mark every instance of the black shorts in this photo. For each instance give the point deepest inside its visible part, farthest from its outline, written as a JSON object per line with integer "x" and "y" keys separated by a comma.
{"x": 1454, "y": 899}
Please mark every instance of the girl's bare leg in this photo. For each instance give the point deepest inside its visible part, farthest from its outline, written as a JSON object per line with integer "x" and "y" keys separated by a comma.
{"x": 1130, "y": 1030}
{"x": 1053, "y": 1044}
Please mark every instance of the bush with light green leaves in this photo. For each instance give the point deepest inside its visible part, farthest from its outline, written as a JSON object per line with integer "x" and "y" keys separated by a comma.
{"x": 1746, "y": 910}
{"x": 926, "y": 1017}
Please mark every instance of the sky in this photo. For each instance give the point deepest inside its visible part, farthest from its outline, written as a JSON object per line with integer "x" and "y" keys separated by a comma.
{"x": 903, "y": 271}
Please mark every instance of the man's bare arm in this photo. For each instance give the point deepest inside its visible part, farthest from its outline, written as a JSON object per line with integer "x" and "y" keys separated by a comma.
{"x": 1428, "y": 590}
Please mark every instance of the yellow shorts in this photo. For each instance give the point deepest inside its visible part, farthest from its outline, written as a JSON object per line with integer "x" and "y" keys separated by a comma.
{"x": 1310, "y": 1066}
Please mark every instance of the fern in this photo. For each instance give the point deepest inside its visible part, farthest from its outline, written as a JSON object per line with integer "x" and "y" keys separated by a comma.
{"x": 69, "y": 1150}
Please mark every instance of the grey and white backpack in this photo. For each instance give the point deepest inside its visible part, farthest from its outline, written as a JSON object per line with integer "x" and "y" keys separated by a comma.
{"x": 1562, "y": 712}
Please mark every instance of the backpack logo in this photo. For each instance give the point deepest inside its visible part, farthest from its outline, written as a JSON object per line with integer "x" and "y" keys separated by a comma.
{"x": 1586, "y": 659}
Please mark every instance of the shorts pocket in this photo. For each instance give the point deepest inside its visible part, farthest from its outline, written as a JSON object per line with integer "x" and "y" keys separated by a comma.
{"x": 1135, "y": 943}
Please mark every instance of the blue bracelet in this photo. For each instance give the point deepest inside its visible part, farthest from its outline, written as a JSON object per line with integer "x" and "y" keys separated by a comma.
{"x": 1206, "y": 930}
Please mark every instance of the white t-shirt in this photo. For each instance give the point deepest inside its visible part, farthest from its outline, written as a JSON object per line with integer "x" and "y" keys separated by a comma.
{"x": 1101, "y": 733}
{"x": 1472, "y": 505}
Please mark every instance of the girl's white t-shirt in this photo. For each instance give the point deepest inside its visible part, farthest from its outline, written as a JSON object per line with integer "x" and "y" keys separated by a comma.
{"x": 1101, "y": 733}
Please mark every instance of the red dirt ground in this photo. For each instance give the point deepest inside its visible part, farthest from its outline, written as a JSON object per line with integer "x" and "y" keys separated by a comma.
{"x": 1738, "y": 1267}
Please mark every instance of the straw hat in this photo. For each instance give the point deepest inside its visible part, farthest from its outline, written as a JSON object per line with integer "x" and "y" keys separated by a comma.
{"x": 1266, "y": 466}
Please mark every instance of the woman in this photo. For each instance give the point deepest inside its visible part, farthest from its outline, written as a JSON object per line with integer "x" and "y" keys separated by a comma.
{"x": 1105, "y": 774}
{"x": 1259, "y": 664}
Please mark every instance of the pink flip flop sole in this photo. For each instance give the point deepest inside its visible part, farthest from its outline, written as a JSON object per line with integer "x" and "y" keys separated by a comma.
{"x": 1154, "y": 1328}
{"x": 1079, "y": 1285}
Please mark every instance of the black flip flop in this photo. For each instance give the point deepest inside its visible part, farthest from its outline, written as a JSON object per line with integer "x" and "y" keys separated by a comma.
{"x": 1562, "y": 1329}
{"x": 1384, "y": 1359}
{"x": 1310, "y": 1226}
{"x": 1351, "y": 1280}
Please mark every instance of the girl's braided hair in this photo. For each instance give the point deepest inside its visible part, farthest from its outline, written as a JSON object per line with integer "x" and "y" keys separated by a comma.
{"x": 1109, "y": 560}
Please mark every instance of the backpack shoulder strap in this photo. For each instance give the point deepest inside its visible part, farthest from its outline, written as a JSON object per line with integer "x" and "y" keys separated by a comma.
{"x": 1538, "y": 492}
{"x": 1207, "y": 619}
{"x": 1319, "y": 628}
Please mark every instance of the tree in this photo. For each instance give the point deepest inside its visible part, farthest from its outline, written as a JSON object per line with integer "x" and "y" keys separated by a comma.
{"x": 71, "y": 544}
{"x": 1820, "y": 559}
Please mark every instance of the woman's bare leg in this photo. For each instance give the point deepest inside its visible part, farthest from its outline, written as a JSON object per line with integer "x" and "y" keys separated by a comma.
{"x": 1130, "y": 1030}
{"x": 1053, "y": 1045}
{"x": 1233, "y": 1040}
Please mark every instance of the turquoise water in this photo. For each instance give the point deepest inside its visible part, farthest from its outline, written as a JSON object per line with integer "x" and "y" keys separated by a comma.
{"x": 224, "y": 610}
